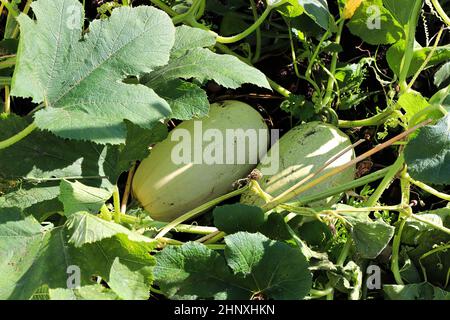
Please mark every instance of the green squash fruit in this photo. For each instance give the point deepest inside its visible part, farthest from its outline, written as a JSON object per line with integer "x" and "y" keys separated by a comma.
{"x": 168, "y": 187}
{"x": 302, "y": 151}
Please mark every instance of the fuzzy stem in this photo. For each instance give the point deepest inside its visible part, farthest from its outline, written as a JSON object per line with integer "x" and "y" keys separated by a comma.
{"x": 116, "y": 200}
{"x": 394, "y": 169}
{"x": 7, "y": 106}
{"x": 196, "y": 211}
{"x": 395, "y": 253}
{"x": 246, "y": 32}
{"x": 10, "y": 8}
{"x": 164, "y": 7}
{"x": 257, "y": 54}
{"x": 331, "y": 80}
{"x": 105, "y": 214}
{"x": 374, "y": 176}
{"x": 376, "y": 120}
{"x": 18, "y": 137}
{"x": 127, "y": 191}
{"x": 429, "y": 189}
{"x": 433, "y": 251}
{"x": 441, "y": 12}
{"x": 409, "y": 49}
{"x": 431, "y": 224}
{"x": 183, "y": 228}
{"x": 427, "y": 60}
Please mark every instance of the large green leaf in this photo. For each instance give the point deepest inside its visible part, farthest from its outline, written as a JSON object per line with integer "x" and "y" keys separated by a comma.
{"x": 371, "y": 237}
{"x": 415, "y": 291}
{"x": 32, "y": 256}
{"x": 190, "y": 59}
{"x": 80, "y": 81}
{"x": 76, "y": 197}
{"x": 45, "y": 160}
{"x": 203, "y": 64}
{"x": 44, "y": 156}
{"x": 130, "y": 284}
{"x": 419, "y": 238}
{"x": 187, "y": 38}
{"x": 192, "y": 270}
{"x": 88, "y": 228}
{"x": 412, "y": 102}
{"x": 395, "y": 54}
{"x": 25, "y": 199}
{"x": 373, "y": 28}
{"x": 186, "y": 99}
{"x": 318, "y": 11}
{"x": 88, "y": 292}
{"x": 260, "y": 267}
{"x": 430, "y": 164}
{"x": 290, "y": 9}
{"x": 442, "y": 76}
{"x": 272, "y": 269}
{"x": 401, "y": 10}
{"x": 240, "y": 217}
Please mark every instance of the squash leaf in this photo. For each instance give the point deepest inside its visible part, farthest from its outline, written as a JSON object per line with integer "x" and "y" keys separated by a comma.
{"x": 32, "y": 256}
{"x": 253, "y": 266}
{"x": 366, "y": 23}
{"x": 432, "y": 166}
{"x": 79, "y": 77}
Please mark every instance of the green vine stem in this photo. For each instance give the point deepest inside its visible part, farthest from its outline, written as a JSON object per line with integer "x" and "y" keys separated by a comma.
{"x": 10, "y": 8}
{"x": 5, "y": 81}
{"x": 429, "y": 189}
{"x": 441, "y": 12}
{"x": 218, "y": 236}
{"x": 395, "y": 253}
{"x": 127, "y": 191}
{"x": 426, "y": 111}
{"x": 376, "y": 120}
{"x": 308, "y": 72}
{"x": 427, "y": 254}
{"x": 331, "y": 79}
{"x": 8, "y": 62}
{"x": 409, "y": 49}
{"x": 278, "y": 88}
{"x": 189, "y": 16}
{"x": 164, "y": 7}
{"x": 405, "y": 190}
{"x": 315, "y": 293}
{"x": 430, "y": 223}
{"x": 105, "y": 213}
{"x": 7, "y": 104}
{"x": 116, "y": 201}
{"x": 257, "y": 54}
{"x": 18, "y": 137}
{"x": 247, "y": 31}
{"x": 183, "y": 228}
{"x": 427, "y": 59}
{"x": 196, "y": 211}
{"x": 384, "y": 184}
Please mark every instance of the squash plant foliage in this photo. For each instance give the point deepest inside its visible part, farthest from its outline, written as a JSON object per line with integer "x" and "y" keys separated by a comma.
{"x": 104, "y": 89}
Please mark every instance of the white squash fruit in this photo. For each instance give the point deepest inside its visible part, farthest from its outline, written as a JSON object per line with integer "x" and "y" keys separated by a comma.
{"x": 167, "y": 189}
{"x": 302, "y": 151}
